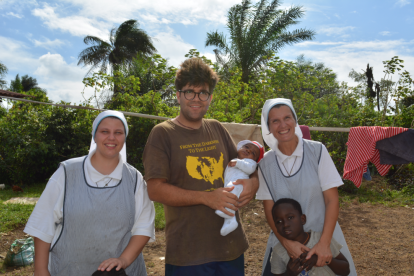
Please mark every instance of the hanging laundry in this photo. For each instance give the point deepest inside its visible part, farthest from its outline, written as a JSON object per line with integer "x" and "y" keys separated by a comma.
{"x": 398, "y": 149}
{"x": 241, "y": 132}
{"x": 361, "y": 149}
{"x": 367, "y": 174}
{"x": 305, "y": 132}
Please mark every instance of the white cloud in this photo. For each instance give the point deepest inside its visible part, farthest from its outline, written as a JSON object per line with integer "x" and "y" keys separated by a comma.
{"x": 337, "y": 16}
{"x": 153, "y": 19}
{"x": 341, "y": 57}
{"x": 402, "y": 3}
{"x": 47, "y": 43}
{"x": 385, "y": 33}
{"x": 54, "y": 67}
{"x": 172, "y": 46}
{"x": 335, "y": 31}
{"x": 14, "y": 55}
{"x": 183, "y": 11}
{"x": 376, "y": 45}
{"x": 74, "y": 24}
{"x": 63, "y": 81}
{"x": 14, "y": 15}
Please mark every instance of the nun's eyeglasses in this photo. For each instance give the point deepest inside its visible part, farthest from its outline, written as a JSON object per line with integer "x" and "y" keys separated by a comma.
{"x": 190, "y": 95}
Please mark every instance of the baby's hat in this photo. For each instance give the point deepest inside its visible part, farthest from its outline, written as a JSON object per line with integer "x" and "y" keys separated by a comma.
{"x": 257, "y": 144}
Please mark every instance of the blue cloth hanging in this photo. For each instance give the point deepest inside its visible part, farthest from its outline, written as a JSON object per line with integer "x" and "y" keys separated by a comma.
{"x": 367, "y": 175}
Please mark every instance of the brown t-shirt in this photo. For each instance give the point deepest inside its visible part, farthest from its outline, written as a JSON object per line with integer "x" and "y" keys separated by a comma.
{"x": 193, "y": 160}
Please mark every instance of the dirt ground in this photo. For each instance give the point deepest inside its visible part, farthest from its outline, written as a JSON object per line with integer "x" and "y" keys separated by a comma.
{"x": 381, "y": 240}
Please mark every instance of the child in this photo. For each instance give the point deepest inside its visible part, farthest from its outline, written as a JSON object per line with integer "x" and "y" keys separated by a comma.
{"x": 249, "y": 154}
{"x": 289, "y": 221}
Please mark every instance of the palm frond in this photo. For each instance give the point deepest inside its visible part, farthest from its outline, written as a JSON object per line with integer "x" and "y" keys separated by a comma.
{"x": 289, "y": 38}
{"x": 93, "y": 54}
{"x": 93, "y": 40}
{"x": 218, "y": 40}
{"x": 284, "y": 20}
{"x": 125, "y": 42}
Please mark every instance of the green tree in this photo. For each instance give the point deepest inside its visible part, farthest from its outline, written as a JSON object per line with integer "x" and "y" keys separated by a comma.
{"x": 321, "y": 76}
{"x": 125, "y": 43}
{"x": 256, "y": 31}
{"x": 25, "y": 84}
{"x": 154, "y": 75}
{"x": 3, "y": 72}
{"x": 16, "y": 84}
{"x": 28, "y": 83}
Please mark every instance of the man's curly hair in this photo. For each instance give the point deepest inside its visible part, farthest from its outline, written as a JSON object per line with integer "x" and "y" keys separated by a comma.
{"x": 195, "y": 72}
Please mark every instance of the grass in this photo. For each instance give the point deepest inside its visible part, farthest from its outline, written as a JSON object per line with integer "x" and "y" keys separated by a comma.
{"x": 13, "y": 216}
{"x": 159, "y": 216}
{"x": 376, "y": 191}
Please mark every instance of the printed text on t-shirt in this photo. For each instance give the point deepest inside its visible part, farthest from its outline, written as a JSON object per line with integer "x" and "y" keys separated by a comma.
{"x": 200, "y": 147}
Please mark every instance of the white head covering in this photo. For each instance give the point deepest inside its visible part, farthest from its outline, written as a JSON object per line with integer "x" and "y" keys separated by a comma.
{"x": 98, "y": 120}
{"x": 270, "y": 140}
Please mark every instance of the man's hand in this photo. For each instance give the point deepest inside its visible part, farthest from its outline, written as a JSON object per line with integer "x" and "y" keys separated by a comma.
{"x": 232, "y": 163}
{"x": 221, "y": 198}
{"x": 250, "y": 187}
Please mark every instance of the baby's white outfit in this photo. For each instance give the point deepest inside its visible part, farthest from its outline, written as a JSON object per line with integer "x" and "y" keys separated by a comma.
{"x": 242, "y": 170}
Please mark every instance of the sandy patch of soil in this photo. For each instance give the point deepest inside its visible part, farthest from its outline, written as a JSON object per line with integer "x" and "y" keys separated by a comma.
{"x": 381, "y": 240}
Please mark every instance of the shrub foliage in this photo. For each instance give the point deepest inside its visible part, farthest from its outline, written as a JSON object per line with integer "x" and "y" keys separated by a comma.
{"x": 35, "y": 138}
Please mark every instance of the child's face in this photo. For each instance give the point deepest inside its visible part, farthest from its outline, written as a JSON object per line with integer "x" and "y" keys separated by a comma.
{"x": 288, "y": 221}
{"x": 248, "y": 151}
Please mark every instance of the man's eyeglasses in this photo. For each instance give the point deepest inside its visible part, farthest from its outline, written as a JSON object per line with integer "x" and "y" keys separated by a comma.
{"x": 190, "y": 95}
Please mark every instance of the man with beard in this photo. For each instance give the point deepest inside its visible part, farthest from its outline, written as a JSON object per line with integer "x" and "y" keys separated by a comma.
{"x": 184, "y": 161}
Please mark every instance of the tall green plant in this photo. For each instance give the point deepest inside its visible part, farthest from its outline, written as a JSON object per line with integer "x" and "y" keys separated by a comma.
{"x": 125, "y": 43}
{"x": 256, "y": 31}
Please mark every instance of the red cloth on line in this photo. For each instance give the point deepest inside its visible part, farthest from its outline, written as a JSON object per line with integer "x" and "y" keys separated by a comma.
{"x": 305, "y": 132}
{"x": 361, "y": 150}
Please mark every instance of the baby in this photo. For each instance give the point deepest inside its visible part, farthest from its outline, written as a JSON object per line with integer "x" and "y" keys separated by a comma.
{"x": 289, "y": 221}
{"x": 249, "y": 154}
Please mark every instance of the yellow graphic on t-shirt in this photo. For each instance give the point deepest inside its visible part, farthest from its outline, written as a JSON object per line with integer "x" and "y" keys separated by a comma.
{"x": 206, "y": 168}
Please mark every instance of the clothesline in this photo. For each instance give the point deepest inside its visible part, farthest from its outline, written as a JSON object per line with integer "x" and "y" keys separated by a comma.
{"x": 329, "y": 129}
{"x": 90, "y": 108}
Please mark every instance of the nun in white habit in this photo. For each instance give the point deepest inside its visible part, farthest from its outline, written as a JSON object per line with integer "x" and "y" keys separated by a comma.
{"x": 95, "y": 213}
{"x": 302, "y": 170}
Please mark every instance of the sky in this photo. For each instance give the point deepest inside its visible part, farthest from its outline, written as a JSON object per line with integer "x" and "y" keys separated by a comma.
{"x": 44, "y": 38}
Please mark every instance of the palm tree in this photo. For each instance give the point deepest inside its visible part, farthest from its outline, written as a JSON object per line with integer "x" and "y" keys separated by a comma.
{"x": 124, "y": 44}
{"x": 256, "y": 31}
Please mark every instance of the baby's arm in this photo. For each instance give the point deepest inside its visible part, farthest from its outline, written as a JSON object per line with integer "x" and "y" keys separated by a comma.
{"x": 248, "y": 166}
